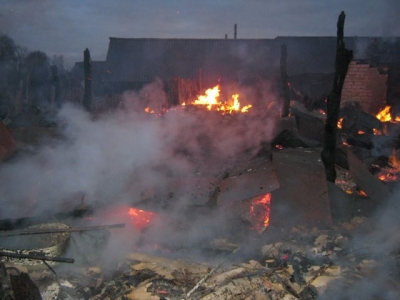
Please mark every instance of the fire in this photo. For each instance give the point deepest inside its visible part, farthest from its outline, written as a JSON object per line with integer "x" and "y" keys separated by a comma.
{"x": 149, "y": 110}
{"x": 391, "y": 174}
{"x": 385, "y": 115}
{"x": 393, "y": 161}
{"x": 212, "y": 102}
{"x": 209, "y": 99}
{"x": 377, "y": 131}
{"x": 339, "y": 123}
{"x": 260, "y": 208}
{"x": 140, "y": 218}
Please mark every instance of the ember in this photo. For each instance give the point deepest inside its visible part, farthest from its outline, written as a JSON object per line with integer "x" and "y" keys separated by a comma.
{"x": 149, "y": 110}
{"x": 133, "y": 217}
{"x": 211, "y": 101}
{"x": 339, "y": 123}
{"x": 140, "y": 218}
{"x": 390, "y": 174}
{"x": 260, "y": 208}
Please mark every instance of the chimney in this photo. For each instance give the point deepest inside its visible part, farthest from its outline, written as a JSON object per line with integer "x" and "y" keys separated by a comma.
{"x": 235, "y": 33}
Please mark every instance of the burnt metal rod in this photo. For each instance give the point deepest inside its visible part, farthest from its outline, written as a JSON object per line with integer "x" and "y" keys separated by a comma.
{"x": 38, "y": 257}
{"x": 208, "y": 275}
{"x": 55, "y": 230}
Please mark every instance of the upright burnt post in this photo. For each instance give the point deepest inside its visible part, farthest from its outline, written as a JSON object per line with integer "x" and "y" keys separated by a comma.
{"x": 56, "y": 84}
{"x": 284, "y": 79}
{"x": 87, "y": 68}
{"x": 343, "y": 59}
{"x": 235, "y": 32}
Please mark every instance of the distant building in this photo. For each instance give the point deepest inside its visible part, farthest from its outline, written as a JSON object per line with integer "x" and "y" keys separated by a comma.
{"x": 133, "y": 62}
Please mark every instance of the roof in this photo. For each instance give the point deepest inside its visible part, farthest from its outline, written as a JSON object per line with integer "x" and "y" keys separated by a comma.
{"x": 145, "y": 59}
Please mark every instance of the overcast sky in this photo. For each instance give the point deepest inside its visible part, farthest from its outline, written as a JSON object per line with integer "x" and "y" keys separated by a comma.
{"x": 67, "y": 27}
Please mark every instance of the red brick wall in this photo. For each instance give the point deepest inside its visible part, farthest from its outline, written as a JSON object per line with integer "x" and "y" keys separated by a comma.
{"x": 365, "y": 84}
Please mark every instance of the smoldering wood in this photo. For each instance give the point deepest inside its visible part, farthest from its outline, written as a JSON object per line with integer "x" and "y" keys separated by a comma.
{"x": 284, "y": 81}
{"x": 310, "y": 123}
{"x": 342, "y": 61}
{"x": 293, "y": 203}
{"x": 355, "y": 119}
{"x": 360, "y": 140}
{"x": 48, "y": 231}
{"x": 289, "y": 139}
{"x": 246, "y": 181}
{"x": 374, "y": 188}
{"x": 24, "y": 288}
{"x": 37, "y": 257}
{"x": 18, "y": 223}
{"x": 87, "y": 68}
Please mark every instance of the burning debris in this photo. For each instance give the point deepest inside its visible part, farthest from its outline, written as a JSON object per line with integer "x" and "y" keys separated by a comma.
{"x": 213, "y": 199}
{"x": 212, "y": 102}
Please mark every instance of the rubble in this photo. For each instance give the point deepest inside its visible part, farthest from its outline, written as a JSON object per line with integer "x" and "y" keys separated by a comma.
{"x": 301, "y": 244}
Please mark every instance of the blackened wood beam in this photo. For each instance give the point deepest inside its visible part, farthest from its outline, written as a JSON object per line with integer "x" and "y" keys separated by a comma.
{"x": 87, "y": 67}
{"x": 37, "y": 257}
{"x": 343, "y": 59}
{"x": 284, "y": 80}
{"x": 64, "y": 230}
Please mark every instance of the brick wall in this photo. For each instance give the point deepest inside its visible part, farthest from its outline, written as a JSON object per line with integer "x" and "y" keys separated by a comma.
{"x": 366, "y": 84}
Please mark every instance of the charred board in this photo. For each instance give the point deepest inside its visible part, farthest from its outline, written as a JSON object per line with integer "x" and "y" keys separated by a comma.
{"x": 255, "y": 179}
{"x": 302, "y": 197}
{"x": 374, "y": 188}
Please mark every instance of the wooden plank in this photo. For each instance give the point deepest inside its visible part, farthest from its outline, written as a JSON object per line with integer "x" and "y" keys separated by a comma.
{"x": 372, "y": 186}
{"x": 251, "y": 180}
{"x": 302, "y": 198}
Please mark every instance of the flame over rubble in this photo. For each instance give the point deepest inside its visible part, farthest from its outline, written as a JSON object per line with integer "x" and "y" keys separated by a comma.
{"x": 211, "y": 101}
{"x": 260, "y": 209}
{"x": 390, "y": 173}
{"x": 385, "y": 115}
{"x": 140, "y": 218}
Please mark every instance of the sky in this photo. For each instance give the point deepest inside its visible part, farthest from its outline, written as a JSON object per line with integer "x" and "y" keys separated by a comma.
{"x": 67, "y": 27}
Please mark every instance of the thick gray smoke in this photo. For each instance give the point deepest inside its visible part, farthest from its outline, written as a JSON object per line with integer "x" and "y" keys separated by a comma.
{"x": 111, "y": 160}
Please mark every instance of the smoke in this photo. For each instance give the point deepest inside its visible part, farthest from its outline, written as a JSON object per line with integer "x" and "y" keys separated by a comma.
{"x": 112, "y": 160}
{"x": 375, "y": 247}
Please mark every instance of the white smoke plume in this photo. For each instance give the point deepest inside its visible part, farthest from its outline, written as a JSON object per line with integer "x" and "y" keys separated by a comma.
{"x": 109, "y": 161}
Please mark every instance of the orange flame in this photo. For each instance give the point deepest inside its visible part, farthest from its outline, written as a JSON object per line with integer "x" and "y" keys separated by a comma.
{"x": 384, "y": 115}
{"x": 394, "y": 162}
{"x": 140, "y": 218}
{"x": 339, "y": 123}
{"x": 212, "y": 102}
{"x": 149, "y": 110}
{"x": 391, "y": 174}
{"x": 260, "y": 208}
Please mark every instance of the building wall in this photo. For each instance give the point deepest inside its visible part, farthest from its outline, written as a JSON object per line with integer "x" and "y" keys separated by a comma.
{"x": 366, "y": 84}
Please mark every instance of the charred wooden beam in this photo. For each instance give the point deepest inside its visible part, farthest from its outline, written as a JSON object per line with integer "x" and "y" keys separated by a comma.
{"x": 53, "y": 230}
{"x": 87, "y": 67}
{"x": 37, "y": 257}
{"x": 343, "y": 59}
{"x": 18, "y": 223}
{"x": 56, "y": 83}
{"x": 284, "y": 79}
